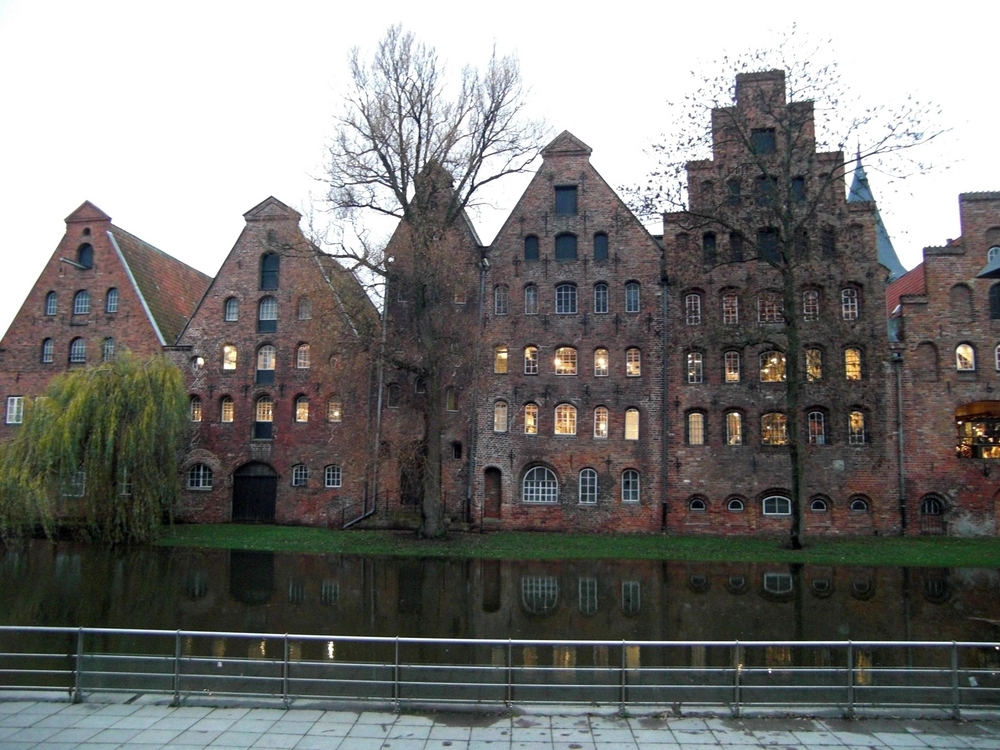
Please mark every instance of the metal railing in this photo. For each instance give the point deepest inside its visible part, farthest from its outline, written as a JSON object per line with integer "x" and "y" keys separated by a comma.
{"x": 738, "y": 677}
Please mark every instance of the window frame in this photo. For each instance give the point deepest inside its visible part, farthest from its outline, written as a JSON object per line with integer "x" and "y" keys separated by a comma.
{"x": 501, "y": 411}
{"x": 601, "y": 246}
{"x": 531, "y": 418}
{"x": 602, "y": 372}
{"x": 304, "y": 310}
{"x": 853, "y": 370}
{"x": 601, "y": 298}
{"x": 78, "y": 351}
{"x": 692, "y": 309}
{"x": 531, "y": 299}
{"x": 774, "y": 428}
{"x": 566, "y": 361}
{"x": 566, "y": 247}
{"x": 816, "y": 427}
{"x": 500, "y": 360}
{"x": 195, "y": 411}
{"x": 566, "y": 200}
{"x": 540, "y": 486}
{"x": 632, "y": 420}
{"x": 814, "y": 365}
{"x": 770, "y": 308}
{"x": 230, "y": 356}
{"x": 111, "y": 301}
{"x": 300, "y": 475}
{"x": 782, "y": 506}
{"x": 850, "y": 304}
{"x": 734, "y": 427}
{"x": 81, "y": 302}
{"x": 15, "y": 410}
{"x": 565, "y": 420}
{"x": 810, "y": 305}
{"x": 588, "y": 486}
{"x": 531, "y": 248}
{"x": 267, "y": 314}
{"x": 227, "y": 410}
{"x": 270, "y": 271}
{"x": 631, "y": 486}
{"x": 51, "y": 304}
{"x": 501, "y": 299}
{"x": 772, "y": 372}
{"x": 531, "y": 360}
{"x": 200, "y": 478}
{"x": 632, "y": 297}
{"x": 302, "y": 357}
{"x": 730, "y": 308}
{"x": 965, "y": 357}
{"x": 333, "y": 477}
{"x": 732, "y": 366}
{"x": 857, "y": 433}
{"x": 301, "y": 409}
{"x": 230, "y": 310}
{"x": 48, "y": 351}
{"x": 694, "y": 428}
{"x": 633, "y": 362}
{"x": 695, "y": 368}
{"x": 334, "y": 411}
{"x": 566, "y": 295}
{"x": 108, "y": 349}
{"x": 602, "y": 422}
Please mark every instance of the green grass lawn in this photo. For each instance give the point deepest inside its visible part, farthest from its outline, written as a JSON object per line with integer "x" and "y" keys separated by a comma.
{"x": 921, "y": 551}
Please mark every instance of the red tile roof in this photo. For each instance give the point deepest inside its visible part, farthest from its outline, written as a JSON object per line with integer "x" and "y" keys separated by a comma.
{"x": 912, "y": 282}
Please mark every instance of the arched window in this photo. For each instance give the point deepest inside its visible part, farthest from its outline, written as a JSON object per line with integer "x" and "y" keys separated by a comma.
{"x": 300, "y": 475}
{"x": 332, "y": 477}
{"x": 692, "y": 309}
{"x": 81, "y": 303}
{"x": 334, "y": 411}
{"x": 566, "y": 299}
{"x": 531, "y": 360}
{"x": 539, "y": 486}
{"x": 814, "y": 365}
{"x": 199, "y": 477}
{"x": 227, "y": 410}
{"x": 588, "y": 486}
{"x": 231, "y": 310}
{"x": 965, "y": 358}
{"x": 995, "y": 300}
{"x": 229, "y": 357}
{"x": 772, "y": 367}
{"x": 696, "y": 428}
{"x": 932, "y": 506}
{"x": 531, "y": 300}
{"x": 697, "y": 504}
{"x": 108, "y": 349}
{"x": 630, "y": 486}
{"x": 774, "y": 429}
{"x": 500, "y": 416}
{"x": 600, "y": 298}
{"x": 451, "y": 400}
{"x": 770, "y": 308}
{"x": 732, "y": 366}
{"x": 500, "y": 360}
{"x": 735, "y": 505}
{"x": 48, "y": 351}
{"x": 730, "y": 308}
{"x": 818, "y": 505}
{"x": 859, "y": 504}
{"x": 565, "y": 419}
{"x": 500, "y": 295}
{"x": 601, "y": 422}
{"x": 111, "y": 301}
{"x": 600, "y": 246}
{"x": 51, "y": 303}
{"x": 269, "y": 265}
{"x": 565, "y": 247}
{"x": 601, "y": 363}
{"x": 196, "y": 363}
{"x": 263, "y": 419}
{"x": 695, "y": 368}
{"x": 302, "y": 409}
{"x": 856, "y": 434}
{"x": 565, "y": 361}
{"x": 195, "y": 408}
{"x": 302, "y": 357}
{"x": 816, "y": 424}
{"x": 849, "y": 305}
{"x": 734, "y": 428}
{"x": 392, "y": 392}
{"x": 777, "y": 505}
{"x": 993, "y": 253}
{"x": 77, "y": 351}
{"x": 85, "y": 255}
{"x": 531, "y": 419}
{"x": 810, "y": 304}
{"x": 632, "y": 297}
{"x": 267, "y": 315}
{"x": 265, "y": 365}
{"x": 631, "y": 424}
{"x": 531, "y": 248}
{"x": 633, "y": 363}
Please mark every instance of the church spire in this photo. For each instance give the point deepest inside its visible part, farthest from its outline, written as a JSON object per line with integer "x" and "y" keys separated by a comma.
{"x": 861, "y": 192}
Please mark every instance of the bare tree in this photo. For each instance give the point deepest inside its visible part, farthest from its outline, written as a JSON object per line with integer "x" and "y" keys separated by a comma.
{"x": 412, "y": 145}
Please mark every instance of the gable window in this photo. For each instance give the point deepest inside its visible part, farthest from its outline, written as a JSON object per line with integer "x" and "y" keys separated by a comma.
{"x": 601, "y": 363}
{"x": 600, "y": 298}
{"x": 335, "y": 411}
{"x": 849, "y": 304}
{"x": 85, "y": 255}
{"x": 500, "y": 300}
{"x": 108, "y": 349}
{"x": 762, "y": 141}
{"x": 302, "y": 409}
{"x": 263, "y": 419}
{"x": 531, "y": 360}
{"x": 565, "y": 419}
{"x": 300, "y": 475}
{"x": 265, "y": 365}
{"x": 231, "y": 311}
{"x": 15, "y": 409}
{"x": 692, "y": 309}
{"x": 769, "y": 308}
{"x": 565, "y": 361}
{"x": 588, "y": 487}
{"x": 48, "y": 351}
{"x": 195, "y": 409}
{"x": 600, "y": 246}
{"x": 566, "y": 299}
{"x": 708, "y": 247}
{"x": 601, "y": 422}
{"x": 852, "y": 363}
{"x": 772, "y": 367}
{"x": 267, "y": 315}
{"x": 77, "y": 351}
{"x": 965, "y": 358}
{"x": 565, "y": 247}
{"x": 630, "y": 486}
{"x": 810, "y": 304}
{"x": 730, "y": 309}
{"x": 734, "y": 428}
{"x": 732, "y": 366}
{"x": 81, "y": 303}
{"x": 633, "y": 363}
{"x": 51, "y": 303}
{"x": 111, "y": 301}
{"x": 530, "y": 419}
{"x": 565, "y": 200}
{"x": 500, "y": 360}
{"x": 696, "y": 428}
{"x": 632, "y": 297}
{"x": 816, "y": 422}
{"x": 531, "y": 248}
{"x": 856, "y": 428}
{"x": 776, "y": 505}
{"x": 539, "y": 486}
{"x": 229, "y": 357}
{"x": 226, "y": 410}
{"x": 814, "y": 365}
{"x": 451, "y": 400}
{"x": 531, "y": 300}
{"x": 199, "y": 477}
{"x": 774, "y": 429}
{"x": 269, "y": 266}
{"x": 332, "y": 477}
{"x": 302, "y": 357}
{"x": 695, "y": 367}
{"x": 631, "y": 424}
{"x": 305, "y": 309}
{"x": 500, "y": 416}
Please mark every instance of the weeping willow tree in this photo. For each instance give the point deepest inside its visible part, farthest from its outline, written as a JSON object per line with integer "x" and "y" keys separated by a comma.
{"x": 100, "y": 447}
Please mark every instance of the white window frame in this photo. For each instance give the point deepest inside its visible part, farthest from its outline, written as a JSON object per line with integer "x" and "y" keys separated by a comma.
{"x": 774, "y": 428}
{"x": 531, "y": 300}
{"x": 696, "y": 428}
{"x": 632, "y": 424}
{"x": 301, "y": 409}
{"x": 632, "y": 298}
{"x": 692, "y": 309}
{"x": 302, "y": 357}
{"x": 816, "y": 427}
{"x": 51, "y": 304}
{"x": 849, "y": 303}
{"x": 78, "y": 351}
{"x": 15, "y": 409}
{"x": 731, "y": 361}
{"x": 565, "y": 361}
{"x": 856, "y": 434}
{"x": 231, "y": 310}
{"x": 631, "y": 486}
{"x": 601, "y": 416}
{"x": 695, "y": 368}
{"x": 111, "y": 301}
{"x": 730, "y": 308}
{"x": 501, "y": 300}
{"x": 300, "y": 475}
{"x": 81, "y": 303}
{"x": 539, "y": 486}
{"x": 500, "y": 416}
{"x": 531, "y": 419}
{"x": 633, "y": 362}
{"x": 566, "y": 299}
{"x": 200, "y": 477}
{"x": 601, "y": 299}
{"x": 500, "y": 362}
{"x": 588, "y": 487}
{"x": 810, "y": 304}
{"x": 770, "y": 308}
{"x": 267, "y": 308}
{"x": 227, "y": 410}
{"x": 531, "y": 360}
{"x": 49, "y": 352}
{"x": 602, "y": 362}
{"x": 194, "y": 408}
{"x": 230, "y": 354}
{"x": 565, "y": 423}
{"x": 333, "y": 477}
{"x": 734, "y": 428}
{"x": 108, "y": 349}
{"x": 305, "y": 310}
{"x": 965, "y": 358}
{"x": 776, "y": 505}
{"x": 335, "y": 411}
{"x": 766, "y": 366}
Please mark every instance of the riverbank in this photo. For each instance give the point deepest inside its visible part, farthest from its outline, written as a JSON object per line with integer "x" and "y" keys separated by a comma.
{"x": 946, "y": 552}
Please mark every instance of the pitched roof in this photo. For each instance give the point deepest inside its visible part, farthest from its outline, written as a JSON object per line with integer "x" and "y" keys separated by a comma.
{"x": 566, "y": 144}
{"x": 861, "y": 192}
{"x": 912, "y": 282}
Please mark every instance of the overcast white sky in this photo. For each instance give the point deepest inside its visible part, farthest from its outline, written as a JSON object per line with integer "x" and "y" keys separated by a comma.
{"x": 176, "y": 118}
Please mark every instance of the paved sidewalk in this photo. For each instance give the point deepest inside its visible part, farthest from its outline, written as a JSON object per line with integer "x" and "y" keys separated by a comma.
{"x": 27, "y": 725}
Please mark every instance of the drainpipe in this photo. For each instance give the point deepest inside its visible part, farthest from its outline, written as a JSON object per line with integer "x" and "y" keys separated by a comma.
{"x": 664, "y": 365}
{"x": 897, "y": 361}
{"x": 378, "y": 401}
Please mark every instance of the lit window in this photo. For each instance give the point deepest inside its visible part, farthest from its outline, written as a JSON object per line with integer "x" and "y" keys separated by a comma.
{"x": 108, "y": 349}
{"x": 197, "y": 363}
{"x": 199, "y": 477}
{"x": 588, "y": 486}
{"x": 774, "y": 429}
{"x": 530, "y": 419}
{"x": 531, "y": 300}
{"x": 601, "y": 363}
{"x": 732, "y": 364}
{"x": 565, "y": 247}
{"x": 695, "y": 367}
{"x": 227, "y": 409}
{"x": 111, "y": 301}
{"x": 500, "y": 416}
{"x": 81, "y": 303}
{"x": 630, "y": 486}
{"x": 565, "y": 419}
{"x": 540, "y": 486}
{"x": 15, "y": 409}
{"x": 814, "y": 365}
{"x": 777, "y": 506}
{"x": 270, "y": 264}
{"x": 632, "y": 297}
{"x": 302, "y": 357}
{"x": 810, "y": 304}
{"x": 849, "y": 304}
{"x": 531, "y": 248}
{"x": 232, "y": 310}
{"x": 565, "y": 361}
{"x": 565, "y": 299}
{"x": 265, "y": 364}
{"x": 531, "y": 360}
{"x": 300, "y": 475}
{"x": 229, "y": 357}
{"x": 769, "y": 308}
{"x": 692, "y": 309}
{"x": 77, "y": 351}
{"x": 730, "y": 309}
{"x": 696, "y": 428}
{"x": 302, "y": 409}
{"x": 600, "y": 246}
{"x": 601, "y": 422}
{"x": 965, "y": 358}
{"x": 335, "y": 411}
{"x": 264, "y": 418}
{"x": 856, "y": 428}
{"x": 734, "y": 428}
{"x": 772, "y": 367}
{"x": 500, "y": 360}
{"x": 631, "y": 424}
{"x": 500, "y": 300}
{"x": 565, "y": 199}
{"x": 195, "y": 409}
{"x": 817, "y": 427}
{"x": 852, "y": 364}
{"x": 451, "y": 400}
{"x": 48, "y": 351}
{"x": 51, "y": 303}
{"x": 633, "y": 363}
{"x": 267, "y": 315}
{"x": 600, "y": 298}
{"x": 332, "y": 477}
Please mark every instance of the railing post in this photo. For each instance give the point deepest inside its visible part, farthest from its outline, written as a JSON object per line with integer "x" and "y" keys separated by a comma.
{"x": 395, "y": 679}
{"x": 621, "y": 688}
{"x": 177, "y": 669}
{"x": 78, "y": 676}
{"x": 284, "y": 676}
{"x": 737, "y": 666}
{"x": 510, "y": 673}
{"x": 850, "y": 680}
{"x": 956, "y": 711}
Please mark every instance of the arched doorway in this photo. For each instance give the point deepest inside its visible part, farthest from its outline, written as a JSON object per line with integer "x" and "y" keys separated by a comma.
{"x": 255, "y": 490}
{"x": 493, "y": 493}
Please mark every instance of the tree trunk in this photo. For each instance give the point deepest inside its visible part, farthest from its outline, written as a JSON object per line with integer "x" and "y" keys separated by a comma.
{"x": 793, "y": 387}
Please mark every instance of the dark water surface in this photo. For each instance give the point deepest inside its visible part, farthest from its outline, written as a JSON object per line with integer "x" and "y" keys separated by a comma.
{"x": 72, "y": 584}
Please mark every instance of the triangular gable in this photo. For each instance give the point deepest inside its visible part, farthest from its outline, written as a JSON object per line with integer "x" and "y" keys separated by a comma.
{"x": 87, "y": 213}
{"x": 566, "y": 144}
{"x": 271, "y": 209}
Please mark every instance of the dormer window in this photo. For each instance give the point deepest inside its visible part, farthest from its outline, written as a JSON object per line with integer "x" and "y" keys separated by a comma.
{"x": 565, "y": 200}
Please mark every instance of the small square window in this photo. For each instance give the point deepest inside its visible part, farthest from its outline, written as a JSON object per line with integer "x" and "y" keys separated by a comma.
{"x": 762, "y": 141}
{"x": 565, "y": 199}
